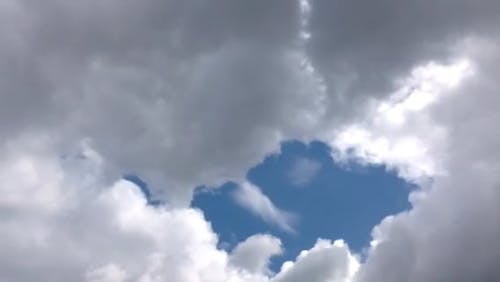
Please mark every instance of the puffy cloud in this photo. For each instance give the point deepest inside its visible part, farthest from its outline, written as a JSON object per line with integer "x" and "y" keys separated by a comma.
{"x": 400, "y": 132}
{"x": 326, "y": 261}
{"x": 450, "y": 233}
{"x": 254, "y": 253}
{"x": 197, "y": 94}
{"x": 186, "y": 93}
{"x": 251, "y": 197}
{"x": 96, "y": 232}
{"x": 99, "y": 233}
{"x": 361, "y": 48}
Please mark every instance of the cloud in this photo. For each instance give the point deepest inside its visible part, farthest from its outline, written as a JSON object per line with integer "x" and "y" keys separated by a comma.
{"x": 254, "y": 253}
{"x": 198, "y": 94}
{"x": 303, "y": 171}
{"x": 399, "y": 132}
{"x": 251, "y": 197}
{"x": 99, "y": 232}
{"x": 363, "y": 47}
{"x": 195, "y": 93}
{"x": 107, "y": 273}
{"x": 449, "y": 235}
{"x": 326, "y": 261}
{"x": 102, "y": 232}
{"x": 187, "y": 93}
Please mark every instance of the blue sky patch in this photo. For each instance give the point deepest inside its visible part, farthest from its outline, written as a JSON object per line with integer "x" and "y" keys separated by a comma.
{"x": 331, "y": 200}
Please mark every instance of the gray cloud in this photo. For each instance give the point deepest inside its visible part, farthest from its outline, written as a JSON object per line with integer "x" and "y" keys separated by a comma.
{"x": 362, "y": 48}
{"x": 450, "y": 233}
{"x": 196, "y": 92}
{"x": 185, "y": 93}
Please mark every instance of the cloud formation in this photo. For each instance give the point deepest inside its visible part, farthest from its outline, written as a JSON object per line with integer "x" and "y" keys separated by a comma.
{"x": 254, "y": 253}
{"x": 251, "y": 198}
{"x": 449, "y": 234}
{"x": 188, "y": 93}
{"x": 326, "y": 261}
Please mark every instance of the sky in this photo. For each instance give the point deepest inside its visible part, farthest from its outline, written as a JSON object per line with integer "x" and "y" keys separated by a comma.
{"x": 249, "y": 141}
{"x": 304, "y": 180}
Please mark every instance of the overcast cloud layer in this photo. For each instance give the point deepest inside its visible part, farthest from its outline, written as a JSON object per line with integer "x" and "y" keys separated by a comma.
{"x": 189, "y": 93}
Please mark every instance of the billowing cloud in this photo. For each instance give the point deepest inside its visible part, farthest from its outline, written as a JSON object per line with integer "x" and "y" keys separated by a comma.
{"x": 394, "y": 135}
{"x": 196, "y": 93}
{"x": 188, "y": 93}
{"x": 78, "y": 229}
{"x": 81, "y": 229}
{"x": 449, "y": 235}
{"x": 254, "y": 253}
{"x": 326, "y": 261}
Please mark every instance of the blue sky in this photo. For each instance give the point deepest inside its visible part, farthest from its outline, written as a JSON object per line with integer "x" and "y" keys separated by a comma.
{"x": 330, "y": 200}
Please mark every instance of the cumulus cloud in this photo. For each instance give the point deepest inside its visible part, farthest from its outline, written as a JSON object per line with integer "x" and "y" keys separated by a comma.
{"x": 100, "y": 232}
{"x": 188, "y": 93}
{"x": 105, "y": 233}
{"x": 449, "y": 234}
{"x": 197, "y": 94}
{"x": 444, "y": 129}
{"x": 254, "y": 253}
{"x": 326, "y": 261}
{"x": 394, "y": 133}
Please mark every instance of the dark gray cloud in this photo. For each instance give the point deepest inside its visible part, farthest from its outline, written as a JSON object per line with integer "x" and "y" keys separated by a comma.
{"x": 200, "y": 84}
{"x": 361, "y": 48}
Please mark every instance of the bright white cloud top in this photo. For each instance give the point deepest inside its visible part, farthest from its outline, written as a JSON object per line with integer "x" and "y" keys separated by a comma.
{"x": 188, "y": 93}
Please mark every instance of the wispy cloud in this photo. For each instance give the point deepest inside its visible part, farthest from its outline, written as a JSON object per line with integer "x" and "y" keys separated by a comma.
{"x": 303, "y": 171}
{"x": 251, "y": 198}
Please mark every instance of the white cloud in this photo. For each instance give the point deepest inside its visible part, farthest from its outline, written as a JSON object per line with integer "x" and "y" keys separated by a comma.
{"x": 400, "y": 133}
{"x": 251, "y": 197}
{"x": 326, "y": 261}
{"x": 110, "y": 233}
{"x": 97, "y": 232}
{"x": 254, "y": 253}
